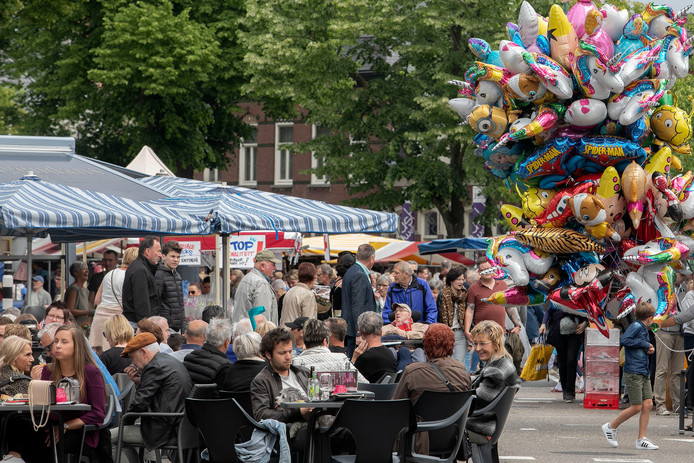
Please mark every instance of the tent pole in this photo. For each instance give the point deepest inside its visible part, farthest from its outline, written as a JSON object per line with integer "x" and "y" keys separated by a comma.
{"x": 217, "y": 267}
{"x": 225, "y": 271}
{"x": 30, "y": 243}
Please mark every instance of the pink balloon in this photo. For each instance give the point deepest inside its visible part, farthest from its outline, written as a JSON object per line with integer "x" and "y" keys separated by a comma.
{"x": 577, "y": 15}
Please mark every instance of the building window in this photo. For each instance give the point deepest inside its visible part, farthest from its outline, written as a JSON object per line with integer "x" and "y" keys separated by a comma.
{"x": 210, "y": 175}
{"x": 284, "y": 135}
{"x": 318, "y": 161}
{"x": 431, "y": 223}
{"x": 248, "y": 156}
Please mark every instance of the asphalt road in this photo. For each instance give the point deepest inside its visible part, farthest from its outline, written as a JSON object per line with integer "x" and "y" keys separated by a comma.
{"x": 542, "y": 428}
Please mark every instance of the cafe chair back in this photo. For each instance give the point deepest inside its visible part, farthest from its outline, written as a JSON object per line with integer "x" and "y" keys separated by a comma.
{"x": 242, "y": 397}
{"x": 113, "y": 415}
{"x": 500, "y": 408}
{"x": 381, "y": 391}
{"x": 375, "y": 426}
{"x": 187, "y": 436}
{"x": 443, "y": 415}
{"x": 207, "y": 414}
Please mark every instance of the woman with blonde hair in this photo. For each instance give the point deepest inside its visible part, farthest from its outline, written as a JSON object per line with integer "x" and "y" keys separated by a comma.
{"x": 15, "y": 362}
{"x": 71, "y": 359}
{"x": 498, "y": 372}
{"x": 117, "y": 331}
{"x": 109, "y": 301}
{"x": 265, "y": 327}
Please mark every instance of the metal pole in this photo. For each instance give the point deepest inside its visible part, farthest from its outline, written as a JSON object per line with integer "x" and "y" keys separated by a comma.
{"x": 30, "y": 242}
{"x": 225, "y": 270}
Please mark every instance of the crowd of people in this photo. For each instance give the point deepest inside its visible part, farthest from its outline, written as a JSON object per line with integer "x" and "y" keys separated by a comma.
{"x": 283, "y": 324}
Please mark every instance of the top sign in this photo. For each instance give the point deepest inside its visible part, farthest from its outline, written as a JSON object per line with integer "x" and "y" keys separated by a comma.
{"x": 243, "y": 248}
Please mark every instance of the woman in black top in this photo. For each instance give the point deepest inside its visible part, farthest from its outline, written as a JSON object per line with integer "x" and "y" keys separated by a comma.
{"x": 118, "y": 332}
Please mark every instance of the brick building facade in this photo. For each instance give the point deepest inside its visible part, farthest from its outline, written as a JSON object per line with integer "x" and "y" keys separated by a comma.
{"x": 262, "y": 163}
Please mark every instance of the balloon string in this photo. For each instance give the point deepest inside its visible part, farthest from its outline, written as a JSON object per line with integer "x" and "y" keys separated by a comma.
{"x": 684, "y": 351}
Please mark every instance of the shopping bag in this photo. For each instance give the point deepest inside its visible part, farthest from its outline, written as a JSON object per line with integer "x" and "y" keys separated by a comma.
{"x": 536, "y": 366}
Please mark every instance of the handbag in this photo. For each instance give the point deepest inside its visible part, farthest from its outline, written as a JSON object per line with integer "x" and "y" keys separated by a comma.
{"x": 41, "y": 393}
{"x": 537, "y": 364}
{"x": 465, "y": 450}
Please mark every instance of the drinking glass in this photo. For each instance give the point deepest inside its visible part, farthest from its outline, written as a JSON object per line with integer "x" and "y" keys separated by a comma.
{"x": 326, "y": 386}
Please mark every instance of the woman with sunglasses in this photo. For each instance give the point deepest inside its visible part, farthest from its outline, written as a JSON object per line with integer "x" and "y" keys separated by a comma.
{"x": 71, "y": 359}
{"x": 497, "y": 373}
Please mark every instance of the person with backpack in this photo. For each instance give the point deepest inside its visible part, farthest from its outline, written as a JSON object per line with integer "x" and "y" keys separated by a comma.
{"x": 411, "y": 290}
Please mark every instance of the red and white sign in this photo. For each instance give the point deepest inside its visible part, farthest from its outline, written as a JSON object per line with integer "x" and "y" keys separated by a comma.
{"x": 190, "y": 252}
{"x": 243, "y": 248}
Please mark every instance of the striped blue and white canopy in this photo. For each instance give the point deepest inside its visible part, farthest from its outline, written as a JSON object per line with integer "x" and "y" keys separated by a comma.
{"x": 30, "y": 206}
{"x": 236, "y": 209}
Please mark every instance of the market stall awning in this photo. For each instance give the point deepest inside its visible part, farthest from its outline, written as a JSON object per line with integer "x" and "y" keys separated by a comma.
{"x": 452, "y": 246}
{"x": 53, "y": 159}
{"x": 233, "y": 209}
{"x": 387, "y": 249}
{"x": 30, "y": 206}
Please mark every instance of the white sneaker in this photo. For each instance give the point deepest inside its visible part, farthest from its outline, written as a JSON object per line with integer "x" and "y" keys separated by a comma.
{"x": 11, "y": 459}
{"x": 645, "y": 444}
{"x": 611, "y": 435}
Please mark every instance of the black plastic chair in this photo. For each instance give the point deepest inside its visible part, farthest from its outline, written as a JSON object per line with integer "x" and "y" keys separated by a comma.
{"x": 113, "y": 415}
{"x": 387, "y": 378}
{"x": 500, "y": 407}
{"x": 242, "y": 397}
{"x": 220, "y": 421}
{"x": 443, "y": 415}
{"x": 37, "y": 311}
{"x": 127, "y": 392}
{"x": 381, "y": 391}
{"x": 187, "y": 435}
{"x": 387, "y": 420}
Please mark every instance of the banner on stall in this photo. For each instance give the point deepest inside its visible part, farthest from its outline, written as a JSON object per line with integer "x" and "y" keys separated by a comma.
{"x": 190, "y": 252}
{"x": 243, "y": 248}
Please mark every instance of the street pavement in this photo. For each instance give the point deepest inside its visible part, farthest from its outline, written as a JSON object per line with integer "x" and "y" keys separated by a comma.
{"x": 542, "y": 428}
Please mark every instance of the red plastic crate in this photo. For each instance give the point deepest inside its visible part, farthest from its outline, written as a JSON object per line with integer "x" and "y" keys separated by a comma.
{"x": 602, "y": 353}
{"x": 595, "y": 400}
{"x": 598, "y": 368}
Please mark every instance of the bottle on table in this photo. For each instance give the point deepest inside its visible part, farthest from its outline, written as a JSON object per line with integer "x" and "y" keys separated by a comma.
{"x": 313, "y": 386}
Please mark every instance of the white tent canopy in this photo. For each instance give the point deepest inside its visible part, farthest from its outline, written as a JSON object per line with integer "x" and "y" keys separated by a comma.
{"x": 149, "y": 163}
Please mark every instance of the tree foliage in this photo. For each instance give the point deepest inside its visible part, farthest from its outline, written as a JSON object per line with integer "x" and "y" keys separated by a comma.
{"x": 376, "y": 70}
{"x": 123, "y": 74}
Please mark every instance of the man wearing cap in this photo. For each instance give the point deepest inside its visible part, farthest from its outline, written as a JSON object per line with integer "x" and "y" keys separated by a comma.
{"x": 163, "y": 384}
{"x": 403, "y": 325}
{"x": 255, "y": 290}
{"x": 300, "y": 300}
{"x": 297, "y": 328}
{"x": 37, "y": 296}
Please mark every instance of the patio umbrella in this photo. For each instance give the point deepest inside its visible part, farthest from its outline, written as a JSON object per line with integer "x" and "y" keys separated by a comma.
{"x": 30, "y": 207}
{"x": 243, "y": 209}
{"x": 234, "y": 209}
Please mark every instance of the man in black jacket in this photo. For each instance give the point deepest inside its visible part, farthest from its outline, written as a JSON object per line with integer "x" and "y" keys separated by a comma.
{"x": 163, "y": 384}
{"x": 170, "y": 285}
{"x": 140, "y": 296}
{"x": 205, "y": 364}
{"x": 357, "y": 293}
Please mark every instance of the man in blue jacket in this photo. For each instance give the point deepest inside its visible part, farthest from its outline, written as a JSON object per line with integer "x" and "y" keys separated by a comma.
{"x": 411, "y": 290}
{"x": 357, "y": 293}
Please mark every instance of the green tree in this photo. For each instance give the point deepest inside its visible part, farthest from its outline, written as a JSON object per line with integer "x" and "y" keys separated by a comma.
{"x": 376, "y": 71}
{"x": 123, "y": 74}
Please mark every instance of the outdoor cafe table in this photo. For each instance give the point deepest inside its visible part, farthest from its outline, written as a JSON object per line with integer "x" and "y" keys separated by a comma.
{"x": 321, "y": 407}
{"x": 17, "y": 408}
